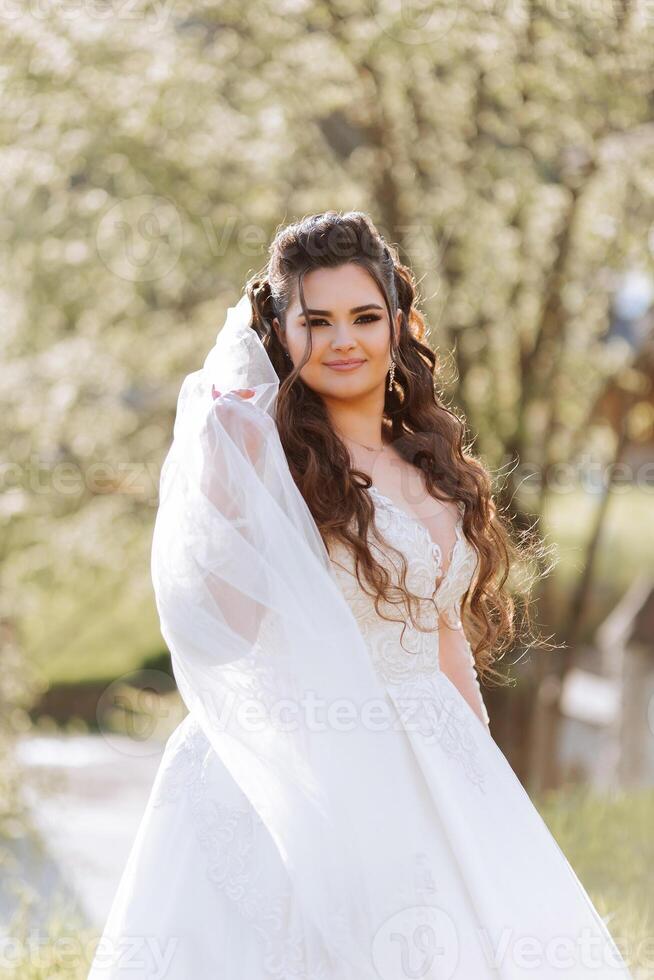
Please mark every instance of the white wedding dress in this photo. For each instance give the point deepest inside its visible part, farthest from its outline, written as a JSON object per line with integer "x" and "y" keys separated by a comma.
{"x": 387, "y": 837}
{"x": 228, "y": 910}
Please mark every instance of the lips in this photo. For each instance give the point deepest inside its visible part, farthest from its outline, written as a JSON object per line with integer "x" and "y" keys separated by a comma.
{"x": 349, "y": 363}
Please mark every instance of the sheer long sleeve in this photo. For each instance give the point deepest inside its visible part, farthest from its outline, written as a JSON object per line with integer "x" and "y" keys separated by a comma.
{"x": 455, "y": 654}
{"x": 220, "y": 484}
{"x": 457, "y": 662}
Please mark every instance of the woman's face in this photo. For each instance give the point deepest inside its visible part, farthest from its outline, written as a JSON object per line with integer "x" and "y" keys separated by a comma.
{"x": 348, "y": 322}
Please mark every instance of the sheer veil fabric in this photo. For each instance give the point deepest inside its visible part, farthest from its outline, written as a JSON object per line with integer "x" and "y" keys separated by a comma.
{"x": 269, "y": 658}
{"x": 362, "y": 803}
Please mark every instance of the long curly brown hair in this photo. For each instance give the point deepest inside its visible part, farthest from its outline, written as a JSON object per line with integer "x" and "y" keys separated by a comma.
{"x": 425, "y": 431}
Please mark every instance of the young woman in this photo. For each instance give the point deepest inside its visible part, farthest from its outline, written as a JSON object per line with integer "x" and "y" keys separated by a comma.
{"x": 334, "y": 806}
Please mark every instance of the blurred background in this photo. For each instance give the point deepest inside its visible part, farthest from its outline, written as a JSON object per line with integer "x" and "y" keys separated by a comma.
{"x": 148, "y": 153}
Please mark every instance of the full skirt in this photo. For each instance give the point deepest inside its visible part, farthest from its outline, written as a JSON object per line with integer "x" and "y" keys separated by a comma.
{"x": 205, "y": 892}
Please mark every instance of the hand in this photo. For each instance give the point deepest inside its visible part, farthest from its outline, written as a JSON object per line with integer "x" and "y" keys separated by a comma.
{"x": 250, "y": 432}
{"x": 243, "y": 392}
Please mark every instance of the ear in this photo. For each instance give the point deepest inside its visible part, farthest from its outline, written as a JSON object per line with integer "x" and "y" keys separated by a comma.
{"x": 277, "y": 329}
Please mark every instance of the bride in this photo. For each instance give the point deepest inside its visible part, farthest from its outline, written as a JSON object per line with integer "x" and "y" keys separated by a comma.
{"x": 334, "y": 806}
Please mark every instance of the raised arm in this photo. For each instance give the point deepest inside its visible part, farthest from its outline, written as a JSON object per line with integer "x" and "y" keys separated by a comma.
{"x": 247, "y": 432}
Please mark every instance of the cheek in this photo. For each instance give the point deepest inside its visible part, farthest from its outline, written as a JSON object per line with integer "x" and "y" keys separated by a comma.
{"x": 297, "y": 341}
{"x": 378, "y": 342}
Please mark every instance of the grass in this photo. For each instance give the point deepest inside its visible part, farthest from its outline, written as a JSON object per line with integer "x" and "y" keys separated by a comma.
{"x": 608, "y": 840}
{"x": 62, "y": 949}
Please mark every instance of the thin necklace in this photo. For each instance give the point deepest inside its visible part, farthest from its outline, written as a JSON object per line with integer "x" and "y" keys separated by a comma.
{"x": 371, "y": 449}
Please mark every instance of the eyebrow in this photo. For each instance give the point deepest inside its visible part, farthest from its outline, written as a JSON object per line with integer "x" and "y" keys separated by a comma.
{"x": 355, "y": 309}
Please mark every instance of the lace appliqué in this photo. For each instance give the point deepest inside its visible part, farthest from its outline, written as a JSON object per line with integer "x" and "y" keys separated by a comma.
{"x": 417, "y": 891}
{"x": 462, "y": 560}
{"x": 397, "y": 647}
{"x": 228, "y": 834}
{"x": 417, "y": 653}
{"x": 411, "y": 670}
{"x": 427, "y": 708}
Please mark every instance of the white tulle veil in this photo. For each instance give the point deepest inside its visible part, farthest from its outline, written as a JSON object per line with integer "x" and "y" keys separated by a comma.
{"x": 269, "y": 658}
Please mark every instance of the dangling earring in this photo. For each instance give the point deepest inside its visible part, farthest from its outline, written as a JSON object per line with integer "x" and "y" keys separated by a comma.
{"x": 391, "y": 374}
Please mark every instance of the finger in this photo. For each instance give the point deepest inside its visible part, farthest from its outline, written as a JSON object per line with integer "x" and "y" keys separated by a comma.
{"x": 215, "y": 392}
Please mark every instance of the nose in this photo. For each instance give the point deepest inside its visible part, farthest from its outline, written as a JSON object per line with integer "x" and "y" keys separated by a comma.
{"x": 343, "y": 340}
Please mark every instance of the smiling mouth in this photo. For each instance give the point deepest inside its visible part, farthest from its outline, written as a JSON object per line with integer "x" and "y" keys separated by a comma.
{"x": 344, "y": 365}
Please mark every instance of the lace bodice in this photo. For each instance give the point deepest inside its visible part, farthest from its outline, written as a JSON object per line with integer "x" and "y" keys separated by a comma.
{"x": 399, "y": 650}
